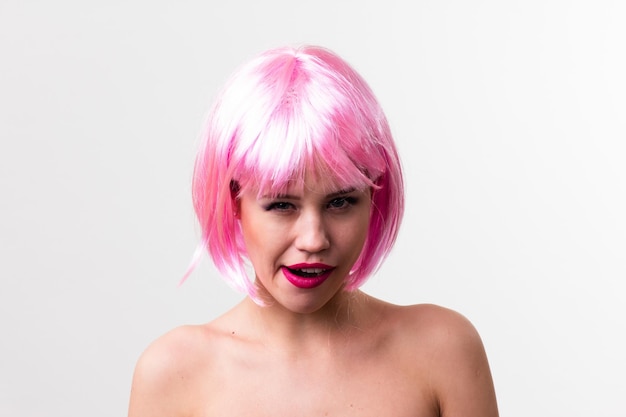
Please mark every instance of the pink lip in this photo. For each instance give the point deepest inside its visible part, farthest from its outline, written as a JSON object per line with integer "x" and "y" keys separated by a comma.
{"x": 305, "y": 265}
{"x": 307, "y": 282}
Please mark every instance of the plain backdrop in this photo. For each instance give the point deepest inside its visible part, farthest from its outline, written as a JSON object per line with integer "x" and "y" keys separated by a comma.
{"x": 509, "y": 117}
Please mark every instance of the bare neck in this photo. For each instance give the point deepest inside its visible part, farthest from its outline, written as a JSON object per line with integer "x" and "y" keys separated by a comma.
{"x": 326, "y": 329}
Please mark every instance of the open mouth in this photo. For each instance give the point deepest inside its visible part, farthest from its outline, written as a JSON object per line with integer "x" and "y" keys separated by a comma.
{"x": 308, "y": 272}
{"x": 307, "y": 275}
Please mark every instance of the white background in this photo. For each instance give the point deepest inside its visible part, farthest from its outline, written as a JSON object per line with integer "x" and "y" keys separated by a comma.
{"x": 509, "y": 116}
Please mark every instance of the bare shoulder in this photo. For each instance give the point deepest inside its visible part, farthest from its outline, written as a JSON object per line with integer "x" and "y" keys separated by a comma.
{"x": 168, "y": 373}
{"x": 175, "y": 353}
{"x": 446, "y": 346}
{"x": 437, "y": 325}
{"x": 430, "y": 332}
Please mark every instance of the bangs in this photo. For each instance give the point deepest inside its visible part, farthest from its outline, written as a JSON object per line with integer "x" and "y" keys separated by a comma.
{"x": 297, "y": 151}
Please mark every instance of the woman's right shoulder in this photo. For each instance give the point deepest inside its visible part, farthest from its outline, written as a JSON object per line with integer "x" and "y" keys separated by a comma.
{"x": 172, "y": 368}
{"x": 179, "y": 348}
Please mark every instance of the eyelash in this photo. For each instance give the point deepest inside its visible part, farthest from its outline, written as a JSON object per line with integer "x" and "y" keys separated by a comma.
{"x": 345, "y": 203}
{"x": 276, "y": 206}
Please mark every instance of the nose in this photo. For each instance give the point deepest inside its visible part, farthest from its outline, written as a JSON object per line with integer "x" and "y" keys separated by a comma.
{"x": 311, "y": 233}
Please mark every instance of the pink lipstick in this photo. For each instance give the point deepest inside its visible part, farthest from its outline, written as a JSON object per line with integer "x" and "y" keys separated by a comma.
{"x": 307, "y": 275}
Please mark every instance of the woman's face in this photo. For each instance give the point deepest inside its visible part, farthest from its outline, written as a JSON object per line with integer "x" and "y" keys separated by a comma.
{"x": 303, "y": 244}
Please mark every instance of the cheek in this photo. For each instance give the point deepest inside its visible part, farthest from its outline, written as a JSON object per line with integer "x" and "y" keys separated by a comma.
{"x": 363, "y": 227}
{"x": 353, "y": 234}
{"x": 264, "y": 241}
{"x": 261, "y": 230}
{"x": 361, "y": 236}
{"x": 251, "y": 230}
{"x": 253, "y": 237}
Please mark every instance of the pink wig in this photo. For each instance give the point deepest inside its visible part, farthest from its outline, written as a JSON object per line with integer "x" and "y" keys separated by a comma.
{"x": 286, "y": 111}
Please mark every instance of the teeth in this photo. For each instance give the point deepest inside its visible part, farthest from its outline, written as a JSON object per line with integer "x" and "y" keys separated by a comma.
{"x": 312, "y": 270}
{"x": 309, "y": 272}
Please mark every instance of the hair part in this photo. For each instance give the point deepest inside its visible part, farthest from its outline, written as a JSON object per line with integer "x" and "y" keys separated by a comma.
{"x": 286, "y": 112}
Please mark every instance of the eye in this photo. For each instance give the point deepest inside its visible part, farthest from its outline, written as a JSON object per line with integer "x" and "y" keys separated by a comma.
{"x": 341, "y": 203}
{"x": 279, "y": 206}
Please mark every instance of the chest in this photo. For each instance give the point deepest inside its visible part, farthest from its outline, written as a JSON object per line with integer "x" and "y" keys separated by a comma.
{"x": 364, "y": 386}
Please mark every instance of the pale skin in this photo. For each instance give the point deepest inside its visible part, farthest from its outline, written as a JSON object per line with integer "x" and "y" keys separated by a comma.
{"x": 323, "y": 351}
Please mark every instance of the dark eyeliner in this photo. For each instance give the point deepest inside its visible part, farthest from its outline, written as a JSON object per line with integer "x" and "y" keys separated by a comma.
{"x": 277, "y": 205}
{"x": 349, "y": 200}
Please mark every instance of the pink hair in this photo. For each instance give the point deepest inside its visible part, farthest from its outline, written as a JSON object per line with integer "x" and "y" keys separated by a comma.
{"x": 286, "y": 111}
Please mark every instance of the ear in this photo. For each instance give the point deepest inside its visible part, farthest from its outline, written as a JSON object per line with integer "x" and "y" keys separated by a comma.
{"x": 237, "y": 208}
{"x": 234, "y": 198}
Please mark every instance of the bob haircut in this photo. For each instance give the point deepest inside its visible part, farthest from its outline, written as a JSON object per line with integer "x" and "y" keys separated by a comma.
{"x": 286, "y": 112}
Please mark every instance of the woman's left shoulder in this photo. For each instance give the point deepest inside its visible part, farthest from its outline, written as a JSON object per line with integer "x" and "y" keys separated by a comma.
{"x": 429, "y": 326}
{"x": 435, "y": 319}
{"x": 447, "y": 346}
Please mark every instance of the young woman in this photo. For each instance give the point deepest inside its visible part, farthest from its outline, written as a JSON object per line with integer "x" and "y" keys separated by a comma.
{"x": 298, "y": 178}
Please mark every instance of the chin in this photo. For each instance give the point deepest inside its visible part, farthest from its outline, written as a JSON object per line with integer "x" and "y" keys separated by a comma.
{"x": 307, "y": 303}
{"x": 301, "y": 301}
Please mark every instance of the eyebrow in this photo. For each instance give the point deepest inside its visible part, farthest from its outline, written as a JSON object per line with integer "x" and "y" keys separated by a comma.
{"x": 294, "y": 197}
